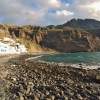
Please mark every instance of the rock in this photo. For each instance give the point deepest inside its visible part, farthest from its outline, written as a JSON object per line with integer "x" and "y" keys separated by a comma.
{"x": 35, "y": 97}
{"x": 29, "y": 87}
{"x": 30, "y": 83}
{"x": 21, "y": 97}
{"x": 99, "y": 68}
{"x": 62, "y": 93}
{"x": 52, "y": 97}
{"x": 4, "y": 73}
{"x": 42, "y": 96}
{"x": 14, "y": 79}
{"x": 98, "y": 97}
{"x": 24, "y": 82}
{"x": 47, "y": 92}
{"x": 98, "y": 77}
{"x": 70, "y": 81}
{"x": 48, "y": 98}
{"x": 79, "y": 97}
{"x": 66, "y": 98}
{"x": 80, "y": 65}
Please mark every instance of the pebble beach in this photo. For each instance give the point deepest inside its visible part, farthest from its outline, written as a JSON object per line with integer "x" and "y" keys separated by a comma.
{"x": 32, "y": 80}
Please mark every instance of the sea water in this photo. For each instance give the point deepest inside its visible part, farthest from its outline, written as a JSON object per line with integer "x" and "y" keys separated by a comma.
{"x": 84, "y": 58}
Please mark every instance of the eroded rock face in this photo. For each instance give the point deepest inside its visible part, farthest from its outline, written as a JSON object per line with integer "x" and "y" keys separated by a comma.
{"x": 63, "y": 40}
{"x": 70, "y": 41}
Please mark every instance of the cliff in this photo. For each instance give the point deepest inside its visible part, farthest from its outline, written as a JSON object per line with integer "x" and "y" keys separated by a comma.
{"x": 62, "y": 39}
{"x": 70, "y": 40}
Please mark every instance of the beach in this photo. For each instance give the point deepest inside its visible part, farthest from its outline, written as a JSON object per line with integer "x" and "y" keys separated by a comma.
{"x": 22, "y": 79}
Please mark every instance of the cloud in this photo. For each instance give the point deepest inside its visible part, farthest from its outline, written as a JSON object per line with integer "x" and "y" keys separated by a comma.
{"x": 64, "y": 13}
{"x": 43, "y": 12}
{"x": 93, "y": 9}
{"x": 86, "y": 9}
{"x": 31, "y": 12}
{"x": 17, "y": 13}
{"x": 54, "y": 3}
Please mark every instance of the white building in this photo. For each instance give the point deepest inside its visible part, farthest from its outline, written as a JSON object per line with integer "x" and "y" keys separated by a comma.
{"x": 9, "y": 46}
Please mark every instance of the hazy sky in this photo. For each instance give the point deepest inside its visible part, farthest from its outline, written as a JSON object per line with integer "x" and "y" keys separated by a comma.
{"x": 43, "y": 12}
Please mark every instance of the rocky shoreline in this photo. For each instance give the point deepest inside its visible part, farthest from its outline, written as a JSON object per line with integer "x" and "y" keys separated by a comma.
{"x": 31, "y": 80}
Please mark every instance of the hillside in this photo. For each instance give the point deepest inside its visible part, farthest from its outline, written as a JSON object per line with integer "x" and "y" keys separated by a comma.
{"x": 73, "y": 36}
{"x": 25, "y": 35}
{"x": 85, "y": 24}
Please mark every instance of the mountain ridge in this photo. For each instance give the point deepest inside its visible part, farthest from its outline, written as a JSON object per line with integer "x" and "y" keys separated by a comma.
{"x": 81, "y": 23}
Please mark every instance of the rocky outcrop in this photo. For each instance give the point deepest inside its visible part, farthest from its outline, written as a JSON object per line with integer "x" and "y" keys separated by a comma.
{"x": 66, "y": 39}
{"x": 70, "y": 40}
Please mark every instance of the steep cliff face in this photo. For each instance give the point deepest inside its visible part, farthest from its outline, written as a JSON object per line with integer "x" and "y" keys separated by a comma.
{"x": 63, "y": 40}
{"x": 91, "y": 41}
{"x": 23, "y": 34}
{"x": 71, "y": 40}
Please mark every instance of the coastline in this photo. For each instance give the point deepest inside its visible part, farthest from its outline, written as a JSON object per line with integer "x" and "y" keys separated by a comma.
{"x": 76, "y": 65}
{"x": 27, "y": 80}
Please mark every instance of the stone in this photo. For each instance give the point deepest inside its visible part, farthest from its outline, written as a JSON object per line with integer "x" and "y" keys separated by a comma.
{"x": 14, "y": 79}
{"x": 98, "y": 77}
{"x": 52, "y": 97}
{"x": 47, "y": 92}
{"x": 65, "y": 97}
{"x": 48, "y": 98}
{"x": 35, "y": 97}
{"x": 21, "y": 97}
{"x": 98, "y": 97}
{"x": 79, "y": 97}
{"x": 56, "y": 83}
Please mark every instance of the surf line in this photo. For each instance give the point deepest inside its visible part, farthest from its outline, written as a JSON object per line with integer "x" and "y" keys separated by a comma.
{"x": 32, "y": 58}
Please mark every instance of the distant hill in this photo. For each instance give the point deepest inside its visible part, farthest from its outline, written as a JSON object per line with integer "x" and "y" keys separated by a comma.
{"x": 86, "y": 24}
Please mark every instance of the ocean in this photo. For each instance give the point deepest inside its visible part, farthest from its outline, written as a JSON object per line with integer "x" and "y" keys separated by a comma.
{"x": 90, "y": 58}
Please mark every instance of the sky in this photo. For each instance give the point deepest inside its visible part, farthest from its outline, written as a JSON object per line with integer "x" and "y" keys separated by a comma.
{"x": 46, "y": 12}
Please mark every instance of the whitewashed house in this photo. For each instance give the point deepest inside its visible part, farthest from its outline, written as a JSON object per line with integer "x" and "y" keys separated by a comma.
{"x": 9, "y": 46}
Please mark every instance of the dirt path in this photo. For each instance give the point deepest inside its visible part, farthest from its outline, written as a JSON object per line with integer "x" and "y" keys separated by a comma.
{"x": 5, "y": 59}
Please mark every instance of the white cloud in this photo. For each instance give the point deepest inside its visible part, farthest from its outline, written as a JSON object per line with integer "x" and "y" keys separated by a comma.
{"x": 86, "y": 9}
{"x": 54, "y": 3}
{"x": 31, "y": 12}
{"x": 94, "y": 9}
{"x": 37, "y": 11}
{"x": 17, "y": 13}
{"x": 59, "y": 17}
{"x": 64, "y": 13}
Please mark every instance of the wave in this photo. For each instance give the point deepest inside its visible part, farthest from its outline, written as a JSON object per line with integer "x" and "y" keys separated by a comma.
{"x": 85, "y": 60}
{"x": 33, "y": 58}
